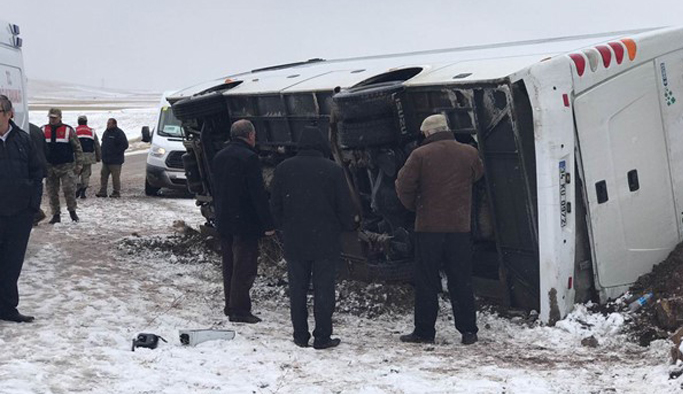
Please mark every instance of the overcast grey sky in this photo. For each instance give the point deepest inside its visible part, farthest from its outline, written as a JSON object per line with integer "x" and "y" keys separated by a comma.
{"x": 166, "y": 44}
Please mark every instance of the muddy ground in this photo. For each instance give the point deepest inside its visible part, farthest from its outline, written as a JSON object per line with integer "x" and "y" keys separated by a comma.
{"x": 663, "y": 313}
{"x": 355, "y": 298}
{"x": 371, "y": 300}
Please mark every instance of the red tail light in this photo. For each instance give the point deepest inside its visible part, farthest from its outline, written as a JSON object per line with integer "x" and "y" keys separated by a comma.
{"x": 618, "y": 51}
{"x": 606, "y": 54}
{"x": 579, "y": 62}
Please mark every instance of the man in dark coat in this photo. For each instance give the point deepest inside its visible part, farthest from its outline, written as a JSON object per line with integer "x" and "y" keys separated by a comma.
{"x": 242, "y": 217}
{"x": 311, "y": 203}
{"x": 20, "y": 176}
{"x": 436, "y": 182}
{"x": 114, "y": 144}
{"x": 41, "y": 150}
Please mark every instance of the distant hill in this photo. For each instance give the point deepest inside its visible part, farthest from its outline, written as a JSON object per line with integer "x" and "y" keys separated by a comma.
{"x": 67, "y": 96}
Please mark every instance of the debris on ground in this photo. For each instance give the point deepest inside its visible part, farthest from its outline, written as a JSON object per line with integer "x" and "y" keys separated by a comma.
{"x": 661, "y": 294}
{"x": 590, "y": 341}
{"x": 188, "y": 246}
{"x": 676, "y": 352}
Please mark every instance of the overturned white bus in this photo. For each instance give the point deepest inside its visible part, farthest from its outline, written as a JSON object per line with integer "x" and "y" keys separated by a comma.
{"x": 582, "y": 140}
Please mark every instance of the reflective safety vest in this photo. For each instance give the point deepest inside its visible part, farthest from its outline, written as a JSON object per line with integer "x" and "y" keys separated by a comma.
{"x": 87, "y": 137}
{"x": 59, "y": 149}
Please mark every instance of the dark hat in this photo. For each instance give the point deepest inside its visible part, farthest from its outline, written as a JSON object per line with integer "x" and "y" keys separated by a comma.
{"x": 54, "y": 112}
{"x": 83, "y": 117}
{"x": 312, "y": 138}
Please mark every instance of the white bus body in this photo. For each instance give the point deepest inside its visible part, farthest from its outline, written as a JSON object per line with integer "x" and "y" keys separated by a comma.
{"x": 582, "y": 139}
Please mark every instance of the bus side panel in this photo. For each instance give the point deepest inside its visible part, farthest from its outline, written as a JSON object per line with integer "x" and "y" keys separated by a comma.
{"x": 669, "y": 70}
{"x": 628, "y": 185}
{"x": 548, "y": 83}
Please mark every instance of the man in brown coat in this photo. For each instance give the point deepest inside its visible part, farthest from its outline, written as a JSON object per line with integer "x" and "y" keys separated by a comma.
{"x": 436, "y": 182}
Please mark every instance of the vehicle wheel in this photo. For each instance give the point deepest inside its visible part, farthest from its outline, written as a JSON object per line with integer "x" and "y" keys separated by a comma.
{"x": 192, "y": 174}
{"x": 368, "y": 101}
{"x": 199, "y": 106}
{"x": 368, "y": 133}
{"x": 151, "y": 190}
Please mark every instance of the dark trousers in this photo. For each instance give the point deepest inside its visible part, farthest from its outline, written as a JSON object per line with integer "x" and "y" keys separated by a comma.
{"x": 451, "y": 252}
{"x": 299, "y": 273}
{"x": 14, "y": 234}
{"x": 240, "y": 262}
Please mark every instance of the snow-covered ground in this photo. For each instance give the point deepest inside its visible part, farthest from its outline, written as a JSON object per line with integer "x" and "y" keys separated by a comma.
{"x": 129, "y": 120}
{"x": 91, "y": 296}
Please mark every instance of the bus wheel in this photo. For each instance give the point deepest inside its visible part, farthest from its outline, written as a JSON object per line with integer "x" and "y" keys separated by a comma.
{"x": 376, "y": 100}
{"x": 199, "y": 106}
{"x": 367, "y": 133}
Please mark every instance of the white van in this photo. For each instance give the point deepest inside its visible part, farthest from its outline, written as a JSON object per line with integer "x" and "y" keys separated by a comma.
{"x": 581, "y": 137}
{"x": 12, "y": 78}
{"x": 164, "y": 160}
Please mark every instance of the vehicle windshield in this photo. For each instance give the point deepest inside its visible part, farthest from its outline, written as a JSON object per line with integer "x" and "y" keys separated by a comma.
{"x": 169, "y": 126}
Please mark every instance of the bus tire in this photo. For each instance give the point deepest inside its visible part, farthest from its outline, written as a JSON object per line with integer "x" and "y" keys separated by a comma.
{"x": 199, "y": 106}
{"x": 368, "y": 101}
{"x": 367, "y": 133}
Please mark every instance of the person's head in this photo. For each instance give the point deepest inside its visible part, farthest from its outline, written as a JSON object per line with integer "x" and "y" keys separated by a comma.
{"x": 6, "y": 112}
{"x": 245, "y": 130}
{"x": 111, "y": 123}
{"x": 434, "y": 124}
{"x": 55, "y": 116}
{"x": 82, "y": 120}
{"x": 312, "y": 139}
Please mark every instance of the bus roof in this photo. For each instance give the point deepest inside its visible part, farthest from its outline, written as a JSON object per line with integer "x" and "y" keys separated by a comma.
{"x": 466, "y": 64}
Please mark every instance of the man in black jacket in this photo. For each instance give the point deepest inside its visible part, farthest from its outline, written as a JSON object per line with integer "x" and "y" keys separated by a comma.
{"x": 114, "y": 144}
{"x": 311, "y": 203}
{"x": 41, "y": 150}
{"x": 20, "y": 177}
{"x": 242, "y": 217}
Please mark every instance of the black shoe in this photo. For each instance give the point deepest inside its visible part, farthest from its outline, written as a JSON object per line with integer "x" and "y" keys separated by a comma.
{"x": 78, "y": 192}
{"x": 301, "y": 343}
{"x": 83, "y": 193}
{"x": 251, "y": 319}
{"x": 115, "y": 195}
{"x": 73, "y": 215}
{"x": 17, "y": 317}
{"x": 55, "y": 219}
{"x": 469, "y": 338}
{"x": 414, "y": 338}
{"x": 40, "y": 215}
{"x": 332, "y": 342}
{"x": 101, "y": 194}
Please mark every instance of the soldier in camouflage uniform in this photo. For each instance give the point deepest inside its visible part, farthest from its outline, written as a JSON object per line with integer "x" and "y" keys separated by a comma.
{"x": 91, "y": 153}
{"x": 64, "y": 161}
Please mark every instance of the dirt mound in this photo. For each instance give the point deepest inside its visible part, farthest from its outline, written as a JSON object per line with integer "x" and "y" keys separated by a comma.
{"x": 663, "y": 313}
{"x": 190, "y": 247}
